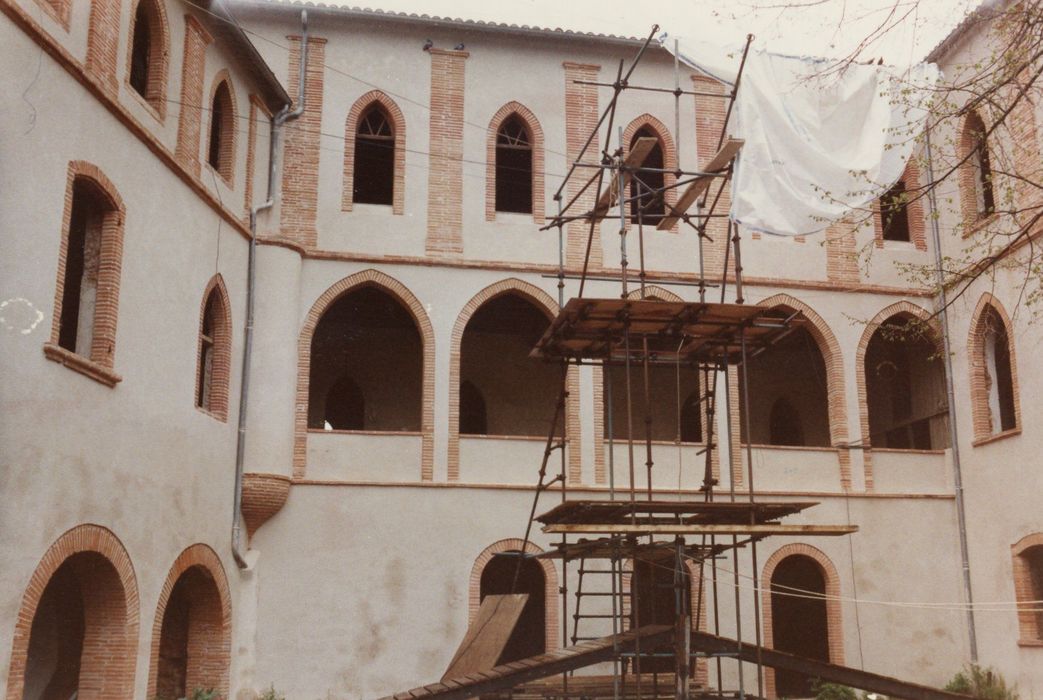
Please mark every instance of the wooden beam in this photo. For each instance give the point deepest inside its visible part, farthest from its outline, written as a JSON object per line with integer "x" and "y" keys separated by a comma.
{"x": 635, "y": 158}
{"x": 542, "y": 666}
{"x": 488, "y": 635}
{"x": 697, "y": 187}
{"x": 863, "y": 680}
{"x": 763, "y": 530}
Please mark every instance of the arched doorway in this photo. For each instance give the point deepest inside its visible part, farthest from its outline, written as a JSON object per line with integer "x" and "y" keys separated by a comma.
{"x": 799, "y": 620}
{"x": 498, "y": 578}
{"x": 191, "y": 652}
{"x": 655, "y": 603}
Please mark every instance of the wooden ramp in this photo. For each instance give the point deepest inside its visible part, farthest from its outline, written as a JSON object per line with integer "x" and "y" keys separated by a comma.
{"x": 536, "y": 667}
{"x": 863, "y": 680}
{"x": 488, "y": 634}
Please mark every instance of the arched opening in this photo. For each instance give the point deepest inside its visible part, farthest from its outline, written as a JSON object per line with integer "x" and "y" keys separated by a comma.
{"x": 649, "y": 185}
{"x": 789, "y": 393}
{"x": 191, "y": 647}
{"x": 668, "y": 385}
{"x": 514, "y": 166}
{"x": 1028, "y": 587}
{"x": 366, "y": 345}
{"x": 79, "y": 626}
{"x": 498, "y": 578}
{"x": 799, "y": 621}
{"x": 894, "y": 213}
{"x": 977, "y": 147}
{"x": 374, "y": 167}
{"x": 222, "y": 126}
{"x": 653, "y": 587}
{"x": 473, "y": 418}
{"x": 999, "y": 378}
{"x": 519, "y": 391}
{"x": 905, "y": 388}
{"x": 148, "y": 53}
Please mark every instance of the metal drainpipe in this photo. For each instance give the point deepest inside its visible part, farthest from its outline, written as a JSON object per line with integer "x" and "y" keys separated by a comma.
{"x": 961, "y": 514}
{"x": 278, "y": 120}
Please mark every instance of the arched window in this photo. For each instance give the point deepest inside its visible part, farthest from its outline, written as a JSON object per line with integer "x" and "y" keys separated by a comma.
{"x": 374, "y": 167}
{"x": 221, "y": 152}
{"x": 369, "y": 335}
{"x": 213, "y": 365}
{"x": 648, "y": 185}
{"x": 785, "y": 424}
{"x": 999, "y": 378}
{"x": 894, "y": 213}
{"x": 473, "y": 419}
{"x": 148, "y": 54}
{"x": 800, "y": 623}
{"x": 1028, "y": 586}
{"x": 89, "y": 276}
{"x": 905, "y": 387}
{"x": 501, "y": 576}
{"x": 976, "y": 147}
{"x": 514, "y": 166}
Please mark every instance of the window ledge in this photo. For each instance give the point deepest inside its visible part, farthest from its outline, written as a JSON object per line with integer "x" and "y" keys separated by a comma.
{"x": 1030, "y": 643}
{"x": 152, "y": 109}
{"x": 81, "y": 364}
{"x": 343, "y": 431}
{"x": 996, "y": 438}
{"x": 216, "y": 416}
{"x": 220, "y": 176}
{"x": 906, "y": 450}
{"x": 978, "y": 225}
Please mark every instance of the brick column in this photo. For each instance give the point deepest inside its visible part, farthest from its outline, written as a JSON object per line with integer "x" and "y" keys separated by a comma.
{"x": 300, "y": 164}
{"x": 581, "y": 116}
{"x": 709, "y": 118}
{"x": 841, "y": 253}
{"x": 103, "y": 38}
{"x": 445, "y": 173}
{"x": 190, "y": 121}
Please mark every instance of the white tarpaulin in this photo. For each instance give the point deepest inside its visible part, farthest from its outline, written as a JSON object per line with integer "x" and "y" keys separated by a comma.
{"x": 817, "y": 146}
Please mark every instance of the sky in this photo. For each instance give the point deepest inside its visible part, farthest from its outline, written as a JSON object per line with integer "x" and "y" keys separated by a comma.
{"x": 828, "y": 28}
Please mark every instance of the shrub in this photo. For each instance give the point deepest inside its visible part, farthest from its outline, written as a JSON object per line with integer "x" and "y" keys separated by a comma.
{"x": 984, "y": 683}
{"x": 833, "y": 691}
{"x": 271, "y": 694}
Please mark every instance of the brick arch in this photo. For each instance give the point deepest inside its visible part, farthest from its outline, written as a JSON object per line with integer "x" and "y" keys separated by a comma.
{"x": 212, "y": 654}
{"x": 666, "y": 142}
{"x": 833, "y": 358}
{"x": 917, "y": 223}
{"x": 545, "y": 303}
{"x": 427, "y": 338}
{"x": 834, "y": 612}
{"x": 966, "y": 175}
{"x": 1024, "y": 591}
{"x": 159, "y": 60}
{"x": 538, "y": 197}
{"x": 221, "y": 368}
{"x": 398, "y": 126}
{"x": 111, "y": 612}
{"x": 550, "y": 586}
{"x": 652, "y": 290}
{"x": 229, "y": 128}
{"x": 900, "y": 308}
{"x": 980, "y": 414}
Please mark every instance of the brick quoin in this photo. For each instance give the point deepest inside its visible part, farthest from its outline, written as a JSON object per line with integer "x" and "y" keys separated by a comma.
{"x": 400, "y": 293}
{"x": 709, "y": 119}
{"x": 1030, "y": 633}
{"x": 834, "y": 612}
{"x": 545, "y": 303}
{"x": 398, "y": 130}
{"x": 581, "y": 116}
{"x": 209, "y": 626}
{"x": 221, "y": 354}
{"x": 552, "y": 634}
{"x": 981, "y": 415}
{"x": 445, "y": 170}
{"x": 197, "y": 38}
{"x": 539, "y": 201}
{"x": 300, "y": 163}
{"x": 914, "y": 209}
{"x": 103, "y": 38}
{"x": 842, "y": 253}
{"x": 110, "y": 610}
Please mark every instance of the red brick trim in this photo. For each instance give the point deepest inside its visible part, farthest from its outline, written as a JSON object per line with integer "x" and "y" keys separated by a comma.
{"x": 110, "y": 644}
{"x": 59, "y": 11}
{"x": 190, "y": 121}
{"x": 264, "y": 495}
{"x": 106, "y": 304}
{"x": 300, "y": 157}
{"x": 399, "y": 291}
{"x": 709, "y": 120}
{"x": 832, "y": 356}
{"x": 981, "y": 416}
{"x": 542, "y": 301}
{"x": 914, "y": 209}
{"x": 78, "y": 363}
{"x": 445, "y": 166}
{"x": 539, "y": 200}
{"x": 1029, "y": 629}
{"x": 103, "y": 38}
{"x": 229, "y": 128}
{"x": 842, "y": 253}
{"x": 966, "y": 175}
{"x": 834, "y": 612}
{"x": 666, "y": 142}
{"x": 210, "y": 626}
{"x": 221, "y": 364}
{"x": 155, "y": 97}
{"x": 899, "y": 308}
{"x": 581, "y": 119}
{"x": 550, "y": 586}
{"x": 398, "y": 130}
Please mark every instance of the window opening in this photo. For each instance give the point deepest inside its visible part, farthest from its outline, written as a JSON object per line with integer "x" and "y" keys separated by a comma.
{"x": 513, "y": 167}
{"x": 345, "y": 406}
{"x": 785, "y": 424}
{"x": 374, "y": 166}
{"x": 204, "y": 383}
{"x": 82, "y": 267}
{"x": 473, "y": 420}
{"x": 983, "y": 195}
{"x": 894, "y": 213}
{"x": 999, "y": 377}
{"x": 651, "y": 183}
{"x": 691, "y": 418}
{"x": 221, "y": 126}
{"x": 141, "y": 51}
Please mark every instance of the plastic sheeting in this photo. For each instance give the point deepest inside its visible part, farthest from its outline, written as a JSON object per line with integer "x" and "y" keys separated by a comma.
{"x": 817, "y": 145}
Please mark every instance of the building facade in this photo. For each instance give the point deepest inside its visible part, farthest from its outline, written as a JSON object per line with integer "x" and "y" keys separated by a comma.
{"x": 394, "y": 424}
